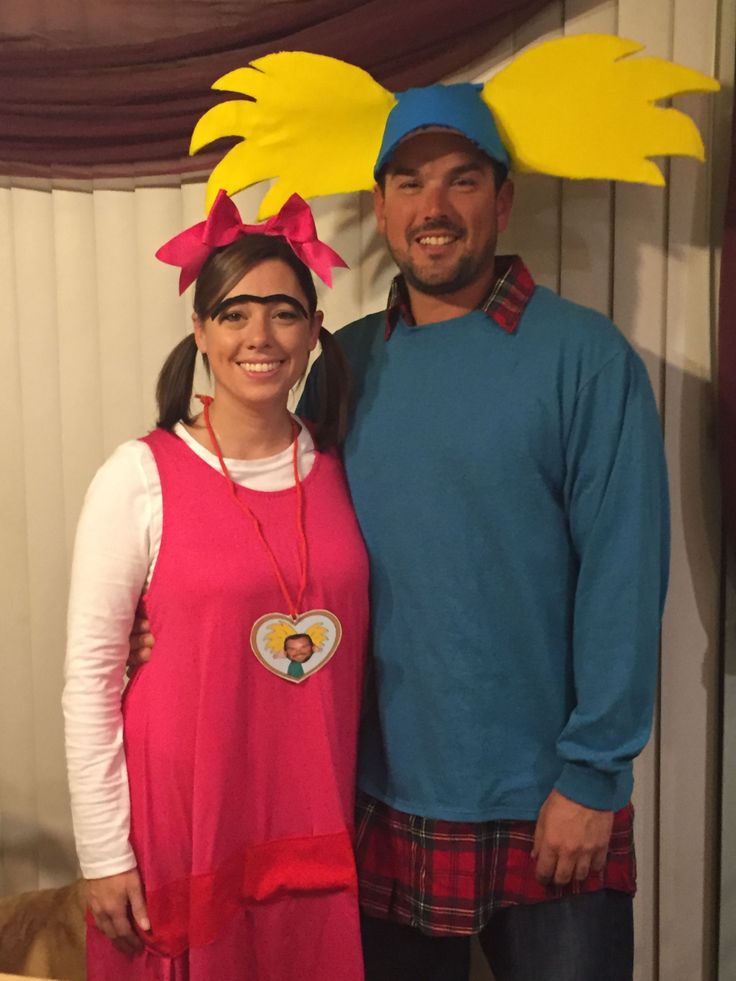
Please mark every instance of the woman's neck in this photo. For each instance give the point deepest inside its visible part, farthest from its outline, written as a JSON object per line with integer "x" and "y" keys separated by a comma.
{"x": 244, "y": 433}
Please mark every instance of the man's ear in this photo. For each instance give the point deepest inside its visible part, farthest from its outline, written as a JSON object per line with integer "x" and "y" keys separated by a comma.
{"x": 379, "y": 207}
{"x": 199, "y": 335}
{"x": 504, "y": 201}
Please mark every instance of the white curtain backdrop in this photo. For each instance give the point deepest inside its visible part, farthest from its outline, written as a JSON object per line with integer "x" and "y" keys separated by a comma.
{"x": 87, "y": 316}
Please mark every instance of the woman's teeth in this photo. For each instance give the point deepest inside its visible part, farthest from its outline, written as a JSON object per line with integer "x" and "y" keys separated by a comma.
{"x": 260, "y": 366}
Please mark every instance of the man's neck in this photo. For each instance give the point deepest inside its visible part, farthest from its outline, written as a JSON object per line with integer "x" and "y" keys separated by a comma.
{"x": 428, "y": 308}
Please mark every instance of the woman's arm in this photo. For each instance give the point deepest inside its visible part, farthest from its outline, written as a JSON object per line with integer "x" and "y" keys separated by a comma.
{"x": 112, "y": 557}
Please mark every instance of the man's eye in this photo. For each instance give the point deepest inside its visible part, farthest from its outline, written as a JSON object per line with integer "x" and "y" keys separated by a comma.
{"x": 465, "y": 182}
{"x": 408, "y": 185}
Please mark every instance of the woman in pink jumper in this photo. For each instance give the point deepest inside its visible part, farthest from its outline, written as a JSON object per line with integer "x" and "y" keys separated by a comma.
{"x": 213, "y": 805}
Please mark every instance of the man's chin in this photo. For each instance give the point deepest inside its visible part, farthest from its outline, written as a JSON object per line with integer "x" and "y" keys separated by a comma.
{"x": 436, "y": 285}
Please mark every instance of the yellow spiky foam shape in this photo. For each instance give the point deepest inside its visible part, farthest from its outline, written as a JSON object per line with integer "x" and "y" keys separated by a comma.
{"x": 578, "y": 107}
{"x": 581, "y": 107}
{"x": 315, "y": 125}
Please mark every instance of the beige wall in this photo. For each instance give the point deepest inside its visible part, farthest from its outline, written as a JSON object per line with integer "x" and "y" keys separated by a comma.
{"x": 87, "y": 316}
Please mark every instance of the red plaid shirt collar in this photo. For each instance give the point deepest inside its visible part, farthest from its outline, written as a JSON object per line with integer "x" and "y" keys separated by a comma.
{"x": 504, "y": 305}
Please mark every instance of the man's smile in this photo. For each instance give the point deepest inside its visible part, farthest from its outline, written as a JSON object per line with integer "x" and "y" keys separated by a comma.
{"x": 436, "y": 239}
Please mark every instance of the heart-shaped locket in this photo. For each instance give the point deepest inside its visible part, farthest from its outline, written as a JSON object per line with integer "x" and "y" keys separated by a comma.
{"x": 294, "y": 650}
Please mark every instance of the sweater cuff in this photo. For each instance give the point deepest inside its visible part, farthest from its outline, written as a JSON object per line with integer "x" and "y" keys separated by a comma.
{"x": 595, "y": 789}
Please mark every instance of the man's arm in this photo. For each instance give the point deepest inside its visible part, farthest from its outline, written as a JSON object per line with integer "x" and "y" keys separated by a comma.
{"x": 617, "y": 504}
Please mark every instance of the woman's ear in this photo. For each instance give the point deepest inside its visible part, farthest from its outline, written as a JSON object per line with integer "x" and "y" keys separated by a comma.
{"x": 315, "y": 328}
{"x": 199, "y": 334}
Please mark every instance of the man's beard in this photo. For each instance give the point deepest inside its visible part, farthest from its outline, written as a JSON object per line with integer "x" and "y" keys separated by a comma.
{"x": 467, "y": 269}
{"x": 465, "y": 272}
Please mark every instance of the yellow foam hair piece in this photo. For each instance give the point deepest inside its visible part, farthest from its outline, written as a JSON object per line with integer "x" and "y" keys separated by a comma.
{"x": 277, "y": 634}
{"x": 315, "y": 125}
{"x": 318, "y": 633}
{"x": 581, "y": 107}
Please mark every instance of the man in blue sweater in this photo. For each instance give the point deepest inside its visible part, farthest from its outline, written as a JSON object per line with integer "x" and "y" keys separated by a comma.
{"x": 505, "y": 460}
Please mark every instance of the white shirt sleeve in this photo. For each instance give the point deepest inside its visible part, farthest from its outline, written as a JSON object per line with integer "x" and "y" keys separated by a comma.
{"x": 112, "y": 560}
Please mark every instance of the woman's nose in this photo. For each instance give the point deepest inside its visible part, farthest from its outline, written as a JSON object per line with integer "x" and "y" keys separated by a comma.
{"x": 258, "y": 332}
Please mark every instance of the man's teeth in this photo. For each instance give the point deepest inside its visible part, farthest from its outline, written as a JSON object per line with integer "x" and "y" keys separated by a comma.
{"x": 259, "y": 365}
{"x": 436, "y": 239}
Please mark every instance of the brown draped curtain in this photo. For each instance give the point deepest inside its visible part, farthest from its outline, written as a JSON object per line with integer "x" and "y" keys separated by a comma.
{"x": 114, "y": 87}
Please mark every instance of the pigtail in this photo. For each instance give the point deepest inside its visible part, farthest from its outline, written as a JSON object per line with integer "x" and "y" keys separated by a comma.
{"x": 333, "y": 393}
{"x": 174, "y": 385}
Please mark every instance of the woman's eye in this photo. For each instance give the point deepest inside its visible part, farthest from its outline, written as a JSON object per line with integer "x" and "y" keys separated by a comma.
{"x": 286, "y": 316}
{"x": 231, "y": 316}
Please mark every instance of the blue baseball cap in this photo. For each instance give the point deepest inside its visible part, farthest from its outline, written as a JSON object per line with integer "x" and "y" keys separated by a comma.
{"x": 455, "y": 107}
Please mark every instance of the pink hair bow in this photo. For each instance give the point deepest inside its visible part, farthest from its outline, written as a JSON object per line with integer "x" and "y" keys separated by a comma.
{"x": 295, "y": 223}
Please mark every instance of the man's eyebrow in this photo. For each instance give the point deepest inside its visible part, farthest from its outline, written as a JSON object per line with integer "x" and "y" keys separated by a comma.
{"x": 230, "y": 301}
{"x": 466, "y": 168}
{"x": 402, "y": 172}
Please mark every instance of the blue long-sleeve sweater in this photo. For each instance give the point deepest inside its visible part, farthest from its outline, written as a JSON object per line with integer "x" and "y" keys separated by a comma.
{"x": 512, "y": 492}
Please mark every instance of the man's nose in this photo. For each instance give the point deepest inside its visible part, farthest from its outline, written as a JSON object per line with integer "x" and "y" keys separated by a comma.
{"x": 434, "y": 202}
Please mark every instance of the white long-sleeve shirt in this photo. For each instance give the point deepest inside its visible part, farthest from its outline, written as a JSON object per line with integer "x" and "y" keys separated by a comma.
{"x": 117, "y": 544}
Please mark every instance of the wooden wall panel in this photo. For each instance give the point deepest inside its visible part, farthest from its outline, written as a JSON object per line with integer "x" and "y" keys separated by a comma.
{"x": 691, "y": 625}
{"x": 639, "y": 308}
{"x": 727, "y": 885}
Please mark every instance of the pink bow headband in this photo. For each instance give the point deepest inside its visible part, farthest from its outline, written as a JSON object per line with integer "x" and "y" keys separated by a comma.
{"x": 191, "y": 248}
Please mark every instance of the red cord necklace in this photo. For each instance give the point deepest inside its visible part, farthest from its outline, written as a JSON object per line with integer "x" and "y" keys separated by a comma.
{"x": 270, "y": 636}
{"x": 293, "y": 605}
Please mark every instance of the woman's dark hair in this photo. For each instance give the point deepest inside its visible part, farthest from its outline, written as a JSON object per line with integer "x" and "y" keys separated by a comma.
{"x": 220, "y": 273}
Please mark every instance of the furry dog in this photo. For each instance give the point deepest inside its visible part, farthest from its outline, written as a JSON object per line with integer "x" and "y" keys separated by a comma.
{"x": 42, "y": 933}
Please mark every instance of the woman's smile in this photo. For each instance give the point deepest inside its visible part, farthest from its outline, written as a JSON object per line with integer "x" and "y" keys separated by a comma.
{"x": 260, "y": 367}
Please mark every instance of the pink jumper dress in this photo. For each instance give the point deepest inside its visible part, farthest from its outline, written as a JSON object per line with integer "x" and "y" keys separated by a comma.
{"x": 241, "y": 781}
